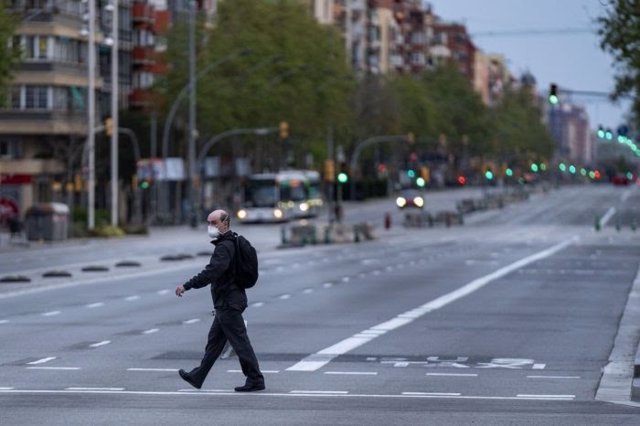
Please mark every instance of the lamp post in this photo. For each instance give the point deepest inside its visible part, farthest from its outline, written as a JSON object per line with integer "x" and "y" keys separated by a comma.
{"x": 114, "y": 111}
{"x": 192, "y": 113}
{"x": 91, "y": 115}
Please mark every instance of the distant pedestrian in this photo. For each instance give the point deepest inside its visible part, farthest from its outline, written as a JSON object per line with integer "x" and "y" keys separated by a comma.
{"x": 229, "y": 301}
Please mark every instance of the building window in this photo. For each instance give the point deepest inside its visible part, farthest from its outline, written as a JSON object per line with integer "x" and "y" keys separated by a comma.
{"x": 16, "y": 97}
{"x": 36, "y": 97}
{"x": 42, "y": 47}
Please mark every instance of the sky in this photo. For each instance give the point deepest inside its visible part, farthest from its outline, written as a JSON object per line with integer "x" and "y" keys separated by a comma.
{"x": 573, "y": 61}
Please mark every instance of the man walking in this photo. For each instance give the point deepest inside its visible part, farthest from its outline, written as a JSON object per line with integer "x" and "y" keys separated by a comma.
{"x": 229, "y": 301}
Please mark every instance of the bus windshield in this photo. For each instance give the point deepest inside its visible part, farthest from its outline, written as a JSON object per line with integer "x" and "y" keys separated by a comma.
{"x": 261, "y": 193}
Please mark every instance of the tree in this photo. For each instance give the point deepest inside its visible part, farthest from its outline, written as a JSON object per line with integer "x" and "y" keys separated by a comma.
{"x": 296, "y": 72}
{"x": 9, "y": 55}
{"x": 620, "y": 36}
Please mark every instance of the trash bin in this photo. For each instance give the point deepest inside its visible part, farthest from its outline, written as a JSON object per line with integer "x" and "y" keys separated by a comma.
{"x": 47, "y": 221}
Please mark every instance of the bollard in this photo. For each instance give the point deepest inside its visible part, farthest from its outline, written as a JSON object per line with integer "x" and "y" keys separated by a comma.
{"x": 387, "y": 220}
{"x": 283, "y": 235}
{"x": 597, "y": 224}
{"x": 633, "y": 225}
{"x": 356, "y": 234}
{"x": 618, "y": 226}
{"x": 327, "y": 234}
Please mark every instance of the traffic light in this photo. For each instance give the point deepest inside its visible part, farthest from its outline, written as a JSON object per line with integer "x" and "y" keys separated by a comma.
{"x": 508, "y": 171}
{"x": 425, "y": 173}
{"x": 601, "y": 132}
{"x": 145, "y": 183}
{"x": 329, "y": 170}
{"x": 343, "y": 177}
{"x": 411, "y": 173}
{"x": 488, "y": 174}
{"x": 284, "y": 130}
{"x": 534, "y": 167}
{"x": 553, "y": 94}
{"x": 108, "y": 126}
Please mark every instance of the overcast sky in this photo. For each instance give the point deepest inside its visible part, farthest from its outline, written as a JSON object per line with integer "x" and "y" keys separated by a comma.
{"x": 573, "y": 61}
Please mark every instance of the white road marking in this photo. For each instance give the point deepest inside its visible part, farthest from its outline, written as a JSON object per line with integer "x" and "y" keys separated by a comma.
{"x": 321, "y": 358}
{"x": 153, "y": 369}
{"x": 538, "y": 366}
{"x": 525, "y": 395}
{"x": 285, "y": 296}
{"x": 327, "y": 285}
{"x": 191, "y": 321}
{"x": 320, "y": 392}
{"x": 5, "y": 388}
{"x": 345, "y": 279}
{"x": 4, "y": 321}
{"x": 553, "y": 377}
{"x": 131, "y": 298}
{"x": 97, "y": 345}
{"x": 608, "y": 215}
{"x": 151, "y": 330}
{"x": 353, "y": 373}
{"x": 50, "y": 313}
{"x": 162, "y": 292}
{"x": 453, "y": 374}
{"x": 42, "y": 361}
{"x": 53, "y": 368}
{"x": 432, "y": 393}
{"x": 262, "y": 371}
{"x": 257, "y": 304}
{"x": 307, "y": 290}
{"x": 95, "y": 305}
{"x": 226, "y": 392}
{"x": 93, "y": 389}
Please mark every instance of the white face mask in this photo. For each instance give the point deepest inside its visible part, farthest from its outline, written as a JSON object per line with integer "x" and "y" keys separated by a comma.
{"x": 213, "y": 232}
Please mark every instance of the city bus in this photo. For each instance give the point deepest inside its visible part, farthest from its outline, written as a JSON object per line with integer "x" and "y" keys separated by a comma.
{"x": 275, "y": 197}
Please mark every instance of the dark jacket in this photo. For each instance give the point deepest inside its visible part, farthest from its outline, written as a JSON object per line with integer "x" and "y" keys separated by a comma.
{"x": 220, "y": 274}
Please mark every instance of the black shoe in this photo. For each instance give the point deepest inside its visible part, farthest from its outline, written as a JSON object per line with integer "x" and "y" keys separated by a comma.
{"x": 187, "y": 378}
{"x": 250, "y": 388}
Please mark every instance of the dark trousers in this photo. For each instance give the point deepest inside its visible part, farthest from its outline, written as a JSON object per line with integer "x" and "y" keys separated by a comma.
{"x": 228, "y": 324}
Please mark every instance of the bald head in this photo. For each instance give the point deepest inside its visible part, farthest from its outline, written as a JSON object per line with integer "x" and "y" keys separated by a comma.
{"x": 220, "y": 219}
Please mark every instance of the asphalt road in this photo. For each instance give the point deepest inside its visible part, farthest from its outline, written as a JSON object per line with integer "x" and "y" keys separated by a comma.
{"x": 509, "y": 319}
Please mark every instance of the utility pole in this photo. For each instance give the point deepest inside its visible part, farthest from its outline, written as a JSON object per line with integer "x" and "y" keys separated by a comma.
{"x": 192, "y": 114}
{"x": 114, "y": 113}
{"x": 91, "y": 116}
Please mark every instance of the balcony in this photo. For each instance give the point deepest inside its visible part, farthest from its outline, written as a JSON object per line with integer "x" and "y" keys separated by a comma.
{"x": 142, "y": 13}
{"x": 143, "y": 55}
{"x": 140, "y": 98}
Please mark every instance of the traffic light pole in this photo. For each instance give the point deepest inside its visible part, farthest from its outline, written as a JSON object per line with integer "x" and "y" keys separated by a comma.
{"x": 367, "y": 142}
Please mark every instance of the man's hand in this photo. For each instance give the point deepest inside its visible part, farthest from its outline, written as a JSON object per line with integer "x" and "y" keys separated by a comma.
{"x": 180, "y": 290}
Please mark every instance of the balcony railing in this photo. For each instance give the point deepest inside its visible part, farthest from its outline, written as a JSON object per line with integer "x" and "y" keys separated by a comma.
{"x": 142, "y": 13}
{"x": 143, "y": 55}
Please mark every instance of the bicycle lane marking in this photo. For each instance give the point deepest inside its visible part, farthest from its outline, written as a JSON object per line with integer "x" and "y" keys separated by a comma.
{"x": 321, "y": 358}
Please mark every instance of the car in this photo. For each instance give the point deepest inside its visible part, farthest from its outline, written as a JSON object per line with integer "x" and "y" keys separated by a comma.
{"x": 410, "y": 199}
{"x": 620, "y": 179}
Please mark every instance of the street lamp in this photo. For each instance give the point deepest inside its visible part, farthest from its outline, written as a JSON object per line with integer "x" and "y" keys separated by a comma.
{"x": 90, "y": 31}
{"x": 112, "y": 7}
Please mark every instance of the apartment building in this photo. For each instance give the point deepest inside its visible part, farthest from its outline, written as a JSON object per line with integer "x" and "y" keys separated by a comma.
{"x": 43, "y": 124}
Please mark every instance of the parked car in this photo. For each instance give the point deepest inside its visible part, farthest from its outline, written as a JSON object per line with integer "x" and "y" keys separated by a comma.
{"x": 620, "y": 179}
{"x": 410, "y": 198}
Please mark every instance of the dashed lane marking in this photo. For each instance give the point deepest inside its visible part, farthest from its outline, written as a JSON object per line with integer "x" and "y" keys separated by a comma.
{"x": 320, "y": 392}
{"x": 151, "y": 330}
{"x": 553, "y": 377}
{"x": 433, "y": 393}
{"x": 538, "y": 366}
{"x": 191, "y": 321}
{"x": 534, "y": 396}
{"x": 257, "y": 304}
{"x": 353, "y": 373}
{"x": 163, "y": 292}
{"x": 95, "y": 305}
{"x": 153, "y": 369}
{"x": 50, "y": 313}
{"x": 5, "y": 388}
{"x": 52, "y": 368}
{"x": 131, "y": 298}
{"x": 285, "y": 296}
{"x": 453, "y": 374}
{"x": 4, "y": 321}
{"x": 93, "y": 389}
{"x": 97, "y": 345}
{"x": 262, "y": 371}
{"x": 42, "y": 361}
{"x": 321, "y": 358}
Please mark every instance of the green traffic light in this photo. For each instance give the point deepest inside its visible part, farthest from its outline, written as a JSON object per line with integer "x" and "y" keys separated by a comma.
{"x": 411, "y": 173}
{"x": 562, "y": 167}
{"x": 488, "y": 175}
{"x": 144, "y": 184}
{"x": 420, "y": 182}
{"x": 572, "y": 169}
{"x": 534, "y": 168}
{"x": 508, "y": 172}
{"x": 342, "y": 177}
{"x": 553, "y": 99}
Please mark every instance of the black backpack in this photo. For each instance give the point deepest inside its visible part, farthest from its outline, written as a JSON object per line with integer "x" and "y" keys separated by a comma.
{"x": 246, "y": 263}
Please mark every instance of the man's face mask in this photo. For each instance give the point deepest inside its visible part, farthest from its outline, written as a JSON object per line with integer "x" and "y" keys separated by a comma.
{"x": 213, "y": 232}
